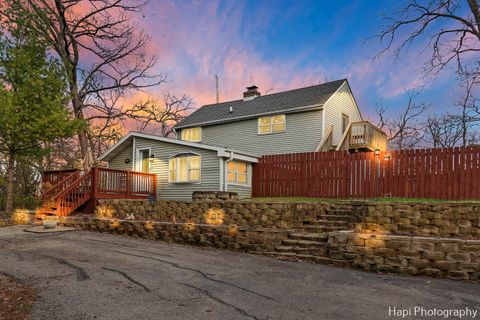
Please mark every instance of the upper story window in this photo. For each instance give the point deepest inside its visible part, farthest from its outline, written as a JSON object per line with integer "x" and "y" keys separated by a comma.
{"x": 238, "y": 172}
{"x": 271, "y": 124}
{"x": 191, "y": 134}
{"x": 184, "y": 168}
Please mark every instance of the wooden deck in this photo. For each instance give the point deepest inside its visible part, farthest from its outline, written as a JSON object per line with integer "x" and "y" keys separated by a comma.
{"x": 67, "y": 190}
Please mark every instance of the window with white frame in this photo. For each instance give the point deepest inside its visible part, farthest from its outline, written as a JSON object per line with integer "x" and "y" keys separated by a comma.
{"x": 191, "y": 134}
{"x": 271, "y": 124}
{"x": 238, "y": 172}
{"x": 184, "y": 168}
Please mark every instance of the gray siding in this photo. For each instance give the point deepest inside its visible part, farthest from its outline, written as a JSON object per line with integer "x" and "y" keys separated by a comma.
{"x": 119, "y": 161}
{"x": 341, "y": 102}
{"x": 244, "y": 192}
{"x": 210, "y": 168}
{"x": 303, "y": 133}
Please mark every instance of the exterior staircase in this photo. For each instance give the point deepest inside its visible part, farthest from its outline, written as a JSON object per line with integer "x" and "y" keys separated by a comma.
{"x": 310, "y": 242}
{"x": 68, "y": 190}
{"x": 66, "y": 196}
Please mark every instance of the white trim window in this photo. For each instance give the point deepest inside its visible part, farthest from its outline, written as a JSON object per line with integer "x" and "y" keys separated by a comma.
{"x": 191, "y": 134}
{"x": 272, "y": 124}
{"x": 184, "y": 168}
{"x": 237, "y": 172}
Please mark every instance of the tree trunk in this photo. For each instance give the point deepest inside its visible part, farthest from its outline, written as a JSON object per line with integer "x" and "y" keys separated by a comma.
{"x": 77, "y": 104}
{"x": 10, "y": 177}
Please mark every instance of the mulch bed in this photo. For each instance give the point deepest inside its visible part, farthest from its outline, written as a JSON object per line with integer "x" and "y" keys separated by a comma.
{"x": 16, "y": 299}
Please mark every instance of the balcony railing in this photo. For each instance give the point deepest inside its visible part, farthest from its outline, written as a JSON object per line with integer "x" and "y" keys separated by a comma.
{"x": 363, "y": 136}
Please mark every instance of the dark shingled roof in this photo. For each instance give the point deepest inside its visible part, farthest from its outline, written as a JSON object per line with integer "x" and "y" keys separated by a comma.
{"x": 281, "y": 102}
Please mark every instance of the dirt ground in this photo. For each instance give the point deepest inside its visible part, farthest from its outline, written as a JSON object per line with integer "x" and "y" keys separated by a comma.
{"x": 16, "y": 299}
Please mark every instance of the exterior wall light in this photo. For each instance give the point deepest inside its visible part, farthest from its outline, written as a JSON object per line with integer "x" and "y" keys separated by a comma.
{"x": 387, "y": 157}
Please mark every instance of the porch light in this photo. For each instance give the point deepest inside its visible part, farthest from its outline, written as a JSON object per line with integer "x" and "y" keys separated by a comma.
{"x": 377, "y": 152}
{"x": 387, "y": 157}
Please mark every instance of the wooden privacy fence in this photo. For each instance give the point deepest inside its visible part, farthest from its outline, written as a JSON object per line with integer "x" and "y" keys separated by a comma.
{"x": 448, "y": 173}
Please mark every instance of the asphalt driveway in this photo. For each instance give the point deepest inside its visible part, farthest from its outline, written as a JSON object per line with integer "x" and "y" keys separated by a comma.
{"x": 88, "y": 275}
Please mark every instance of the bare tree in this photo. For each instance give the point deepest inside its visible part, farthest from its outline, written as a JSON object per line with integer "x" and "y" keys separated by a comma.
{"x": 161, "y": 116}
{"x": 468, "y": 116}
{"x": 102, "y": 49}
{"x": 406, "y": 130}
{"x": 443, "y": 131}
{"x": 451, "y": 27}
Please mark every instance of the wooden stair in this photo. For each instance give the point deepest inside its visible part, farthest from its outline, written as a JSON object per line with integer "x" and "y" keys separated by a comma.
{"x": 72, "y": 189}
{"x": 66, "y": 196}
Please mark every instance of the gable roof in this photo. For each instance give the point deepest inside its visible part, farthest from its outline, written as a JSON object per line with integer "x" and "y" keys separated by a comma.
{"x": 221, "y": 152}
{"x": 282, "y": 102}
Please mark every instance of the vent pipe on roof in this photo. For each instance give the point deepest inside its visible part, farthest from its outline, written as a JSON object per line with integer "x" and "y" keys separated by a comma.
{"x": 231, "y": 109}
{"x": 251, "y": 93}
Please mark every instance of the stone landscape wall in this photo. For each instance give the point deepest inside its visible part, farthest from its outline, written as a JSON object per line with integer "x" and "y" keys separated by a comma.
{"x": 437, "y": 257}
{"x": 426, "y": 219}
{"x": 421, "y": 219}
{"x": 282, "y": 215}
{"x": 218, "y": 236}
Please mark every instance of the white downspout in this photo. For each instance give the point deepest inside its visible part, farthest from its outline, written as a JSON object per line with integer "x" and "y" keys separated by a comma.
{"x": 226, "y": 171}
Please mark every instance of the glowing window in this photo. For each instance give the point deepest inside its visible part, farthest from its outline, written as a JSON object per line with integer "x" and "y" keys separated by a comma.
{"x": 184, "y": 168}
{"x": 238, "y": 172}
{"x": 273, "y": 124}
{"x": 191, "y": 134}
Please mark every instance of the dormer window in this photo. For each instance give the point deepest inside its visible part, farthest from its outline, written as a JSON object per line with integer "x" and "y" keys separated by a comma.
{"x": 271, "y": 124}
{"x": 191, "y": 134}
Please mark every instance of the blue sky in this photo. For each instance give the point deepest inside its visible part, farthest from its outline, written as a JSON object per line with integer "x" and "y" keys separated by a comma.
{"x": 282, "y": 45}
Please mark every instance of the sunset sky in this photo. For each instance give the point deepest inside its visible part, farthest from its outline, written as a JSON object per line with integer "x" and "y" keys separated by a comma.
{"x": 280, "y": 45}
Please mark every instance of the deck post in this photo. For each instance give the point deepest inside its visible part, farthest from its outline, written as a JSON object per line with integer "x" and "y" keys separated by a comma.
{"x": 129, "y": 185}
{"x": 155, "y": 185}
{"x": 94, "y": 182}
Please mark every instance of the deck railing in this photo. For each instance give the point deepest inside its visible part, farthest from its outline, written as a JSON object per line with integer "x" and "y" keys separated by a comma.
{"x": 111, "y": 183}
{"x": 363, "y": 136}
{"x": 54, "y": 177}
{"x": 75, "y": 189}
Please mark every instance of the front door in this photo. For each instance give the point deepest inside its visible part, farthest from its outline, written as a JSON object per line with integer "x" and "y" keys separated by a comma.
{"x": 143, "y": 162}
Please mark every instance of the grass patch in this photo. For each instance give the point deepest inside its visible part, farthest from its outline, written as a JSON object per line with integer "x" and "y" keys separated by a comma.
{"x": 375, "y": 200}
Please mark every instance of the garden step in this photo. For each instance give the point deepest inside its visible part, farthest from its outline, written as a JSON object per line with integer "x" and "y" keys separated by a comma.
{"x": 323, "y": 229}
{"x": 302, "y": 243}
{"x": 310, "y": 251}
{"x": 305, "y": 257}
{"x": 332, "y": 223}
{"x": 309, "y": 236}
{"x": 284, "y": 249}
{"x": 334, "y": 217}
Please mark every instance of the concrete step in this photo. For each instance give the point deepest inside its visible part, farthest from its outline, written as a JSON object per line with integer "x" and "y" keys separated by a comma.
{"x": 284, "y": 249}
{"x": 321, "y": 237}
{"x": 332, "y": 223}
{"x": 302, "y": 243}
{"x": 317, "y": 250}
{"x": 304, "y": 257}
{"x": 322, "y": 229}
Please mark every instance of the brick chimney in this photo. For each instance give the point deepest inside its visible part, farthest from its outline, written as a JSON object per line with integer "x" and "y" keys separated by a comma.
{"x": 251, "y": 93}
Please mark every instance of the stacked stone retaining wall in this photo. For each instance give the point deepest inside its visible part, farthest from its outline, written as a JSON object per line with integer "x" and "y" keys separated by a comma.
{"x": 437, "y": 257}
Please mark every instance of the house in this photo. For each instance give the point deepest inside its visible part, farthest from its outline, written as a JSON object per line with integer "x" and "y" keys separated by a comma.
{"x": 217, "y": 145}
{"x": 308, "y": 119}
